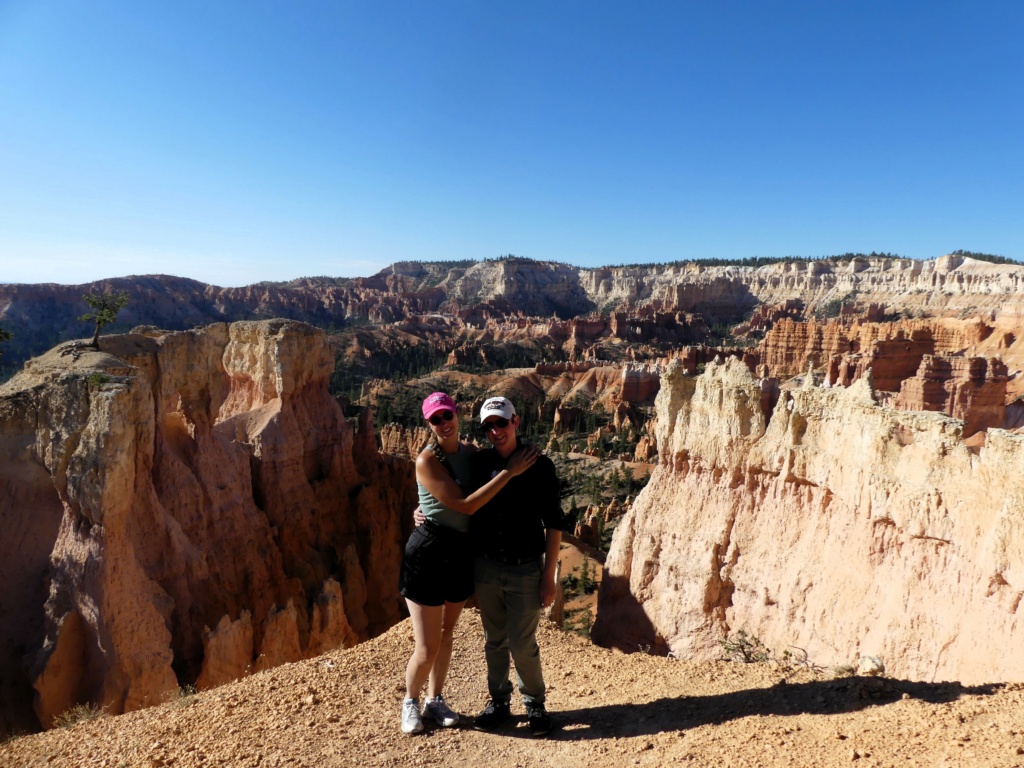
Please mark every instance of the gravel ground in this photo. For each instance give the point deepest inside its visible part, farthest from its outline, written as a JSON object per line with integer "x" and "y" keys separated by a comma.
{"x": 342, "y": 709}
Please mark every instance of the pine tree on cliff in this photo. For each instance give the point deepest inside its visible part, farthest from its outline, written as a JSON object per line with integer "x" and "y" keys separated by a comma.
{"x": 105, "y": 307}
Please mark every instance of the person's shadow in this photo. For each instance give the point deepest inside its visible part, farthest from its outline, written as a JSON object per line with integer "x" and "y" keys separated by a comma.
{"x": 824, "y": 697}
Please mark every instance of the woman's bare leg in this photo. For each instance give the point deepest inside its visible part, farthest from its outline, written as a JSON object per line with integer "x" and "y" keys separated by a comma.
{"x": 426, "y": 627}
{"x": 439, "y": 670}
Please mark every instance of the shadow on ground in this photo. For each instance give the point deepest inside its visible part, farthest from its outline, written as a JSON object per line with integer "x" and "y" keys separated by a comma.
{"x": 826, "y": 697}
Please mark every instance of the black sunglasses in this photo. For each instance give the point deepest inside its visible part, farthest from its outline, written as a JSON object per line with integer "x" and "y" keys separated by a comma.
{"x": 492, "y": 425}
{"x": 440, "y": 418}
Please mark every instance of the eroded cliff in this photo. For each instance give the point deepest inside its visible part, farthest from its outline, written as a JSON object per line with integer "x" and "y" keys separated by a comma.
{"x": 650, "y": 296}
{"x": 832, "y": 524}
{"x": 183, "y": 508}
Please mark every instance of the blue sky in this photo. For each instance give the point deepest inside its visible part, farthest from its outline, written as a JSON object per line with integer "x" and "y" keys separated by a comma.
{"x": 233, "y": 142}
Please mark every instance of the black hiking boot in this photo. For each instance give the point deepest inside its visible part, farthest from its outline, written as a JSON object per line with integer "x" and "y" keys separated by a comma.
{"x": 539, "y": 719}
{"x": 493, "y": 715}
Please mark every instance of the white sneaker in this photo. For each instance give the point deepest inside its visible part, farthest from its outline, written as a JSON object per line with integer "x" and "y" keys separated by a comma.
{"x": 411, "y": 720}
{"x": 441, "y": 713}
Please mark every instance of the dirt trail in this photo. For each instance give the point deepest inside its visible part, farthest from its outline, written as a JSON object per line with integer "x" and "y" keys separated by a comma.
{"x": 342, "y": 709}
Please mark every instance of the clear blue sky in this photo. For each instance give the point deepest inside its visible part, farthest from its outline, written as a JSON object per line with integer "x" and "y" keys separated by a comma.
{"x": 234, "y": 142}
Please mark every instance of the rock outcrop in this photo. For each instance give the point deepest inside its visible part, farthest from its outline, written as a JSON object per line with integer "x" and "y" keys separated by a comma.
{"x": 972, "y": 389}
{"x": 212, "y": 472}
{"x": 829, "y": 523}
{"x": 403, "y": 441}
{"x": 957, "y": 367}
{"x": 182, "y": 508}
{"x": 893, "y": 350}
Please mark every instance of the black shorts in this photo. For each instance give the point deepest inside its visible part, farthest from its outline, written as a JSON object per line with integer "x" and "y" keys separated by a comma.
{"x": 437, "y": 567}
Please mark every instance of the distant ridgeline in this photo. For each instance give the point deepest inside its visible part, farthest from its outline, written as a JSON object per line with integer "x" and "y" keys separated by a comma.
{"x": 42, "y": 315}
{"x": 764, "y": 261}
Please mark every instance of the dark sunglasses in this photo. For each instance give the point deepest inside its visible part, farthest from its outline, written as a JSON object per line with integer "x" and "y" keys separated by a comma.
{"x": 440, "y": 418}
{"x": 490, "y": 426}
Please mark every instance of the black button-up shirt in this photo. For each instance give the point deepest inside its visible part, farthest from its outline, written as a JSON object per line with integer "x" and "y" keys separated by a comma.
{"x": 512, "y": 526}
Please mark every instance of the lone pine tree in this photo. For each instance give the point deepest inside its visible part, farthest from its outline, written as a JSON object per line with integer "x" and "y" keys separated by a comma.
{"x": 105, "y": 307}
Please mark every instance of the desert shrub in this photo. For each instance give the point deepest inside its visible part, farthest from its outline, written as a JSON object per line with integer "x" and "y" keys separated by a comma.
{"x": 748, "y": 649}
{"x": 588, "y": 584}
{"x": 79, "y": 713}
{"x": 183, "y": 696}
{"x": 745, "y": 648}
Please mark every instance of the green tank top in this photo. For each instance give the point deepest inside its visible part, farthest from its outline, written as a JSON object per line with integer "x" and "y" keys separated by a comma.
{"x": 437, "y": 512}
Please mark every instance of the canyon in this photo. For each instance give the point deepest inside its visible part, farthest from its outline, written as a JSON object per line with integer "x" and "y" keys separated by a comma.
{"x": 833, "y": 452}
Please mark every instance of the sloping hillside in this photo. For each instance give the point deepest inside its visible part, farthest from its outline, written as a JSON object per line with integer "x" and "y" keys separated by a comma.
{"x": 341, "y": 709}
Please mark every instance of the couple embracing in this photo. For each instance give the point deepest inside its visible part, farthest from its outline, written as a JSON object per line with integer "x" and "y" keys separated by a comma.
{"x": 493, "y": 526}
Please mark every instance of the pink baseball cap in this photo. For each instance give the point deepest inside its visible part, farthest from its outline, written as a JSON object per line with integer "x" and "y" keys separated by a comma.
{"x": 437, "y": 401}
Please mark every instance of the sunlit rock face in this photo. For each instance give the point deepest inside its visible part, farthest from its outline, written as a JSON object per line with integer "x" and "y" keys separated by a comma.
{"x": 404, "y": 441}
{"x": 948, "y": 285}
{"x": 893, "y": 350}
{"x": 972, "y": 389}
{"x": 830, "y": 523}
{"x": 183, "y": 508}
{"x": 953, "y": 366}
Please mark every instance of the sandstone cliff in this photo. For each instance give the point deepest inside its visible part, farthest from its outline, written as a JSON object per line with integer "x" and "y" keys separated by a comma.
{"x": 406, "y": 442}
{"x": 957, "y": 367}
{"x": 947, "y": 285}
{"x": 183, "y": 508}
{"x": 652, "y": 299}
{"x": 830, "y": 523}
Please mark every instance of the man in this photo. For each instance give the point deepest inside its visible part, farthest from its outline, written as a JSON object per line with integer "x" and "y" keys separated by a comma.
{"x": 516, "y": 536}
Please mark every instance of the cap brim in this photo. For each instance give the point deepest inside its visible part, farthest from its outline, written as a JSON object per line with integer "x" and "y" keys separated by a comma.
{"x": 438, "y": 409}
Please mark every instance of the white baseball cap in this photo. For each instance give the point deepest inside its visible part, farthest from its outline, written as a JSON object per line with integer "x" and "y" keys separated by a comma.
{"x": 496, "y": 406}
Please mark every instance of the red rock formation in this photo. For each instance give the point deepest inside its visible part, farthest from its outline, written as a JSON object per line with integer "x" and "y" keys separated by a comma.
{"x": 640, "y": 383}
{"x": 890, "y": 362}
{"x": 903, "y": 357}
{"x": 567, "y": 419}
{"x": 588, "y": 527}
{"x": 972, "y": 389}
{"x": 199, "y": 503}
{"x": 402, "y": 441}
{"x": 765, "y": 316}
{"x": 696, "y": 357}
{"x": 790, "y": 347}
{"x": 646, "y": 450}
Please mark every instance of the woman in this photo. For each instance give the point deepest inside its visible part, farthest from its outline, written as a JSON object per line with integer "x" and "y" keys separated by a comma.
{"x": 437, "y": 570}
